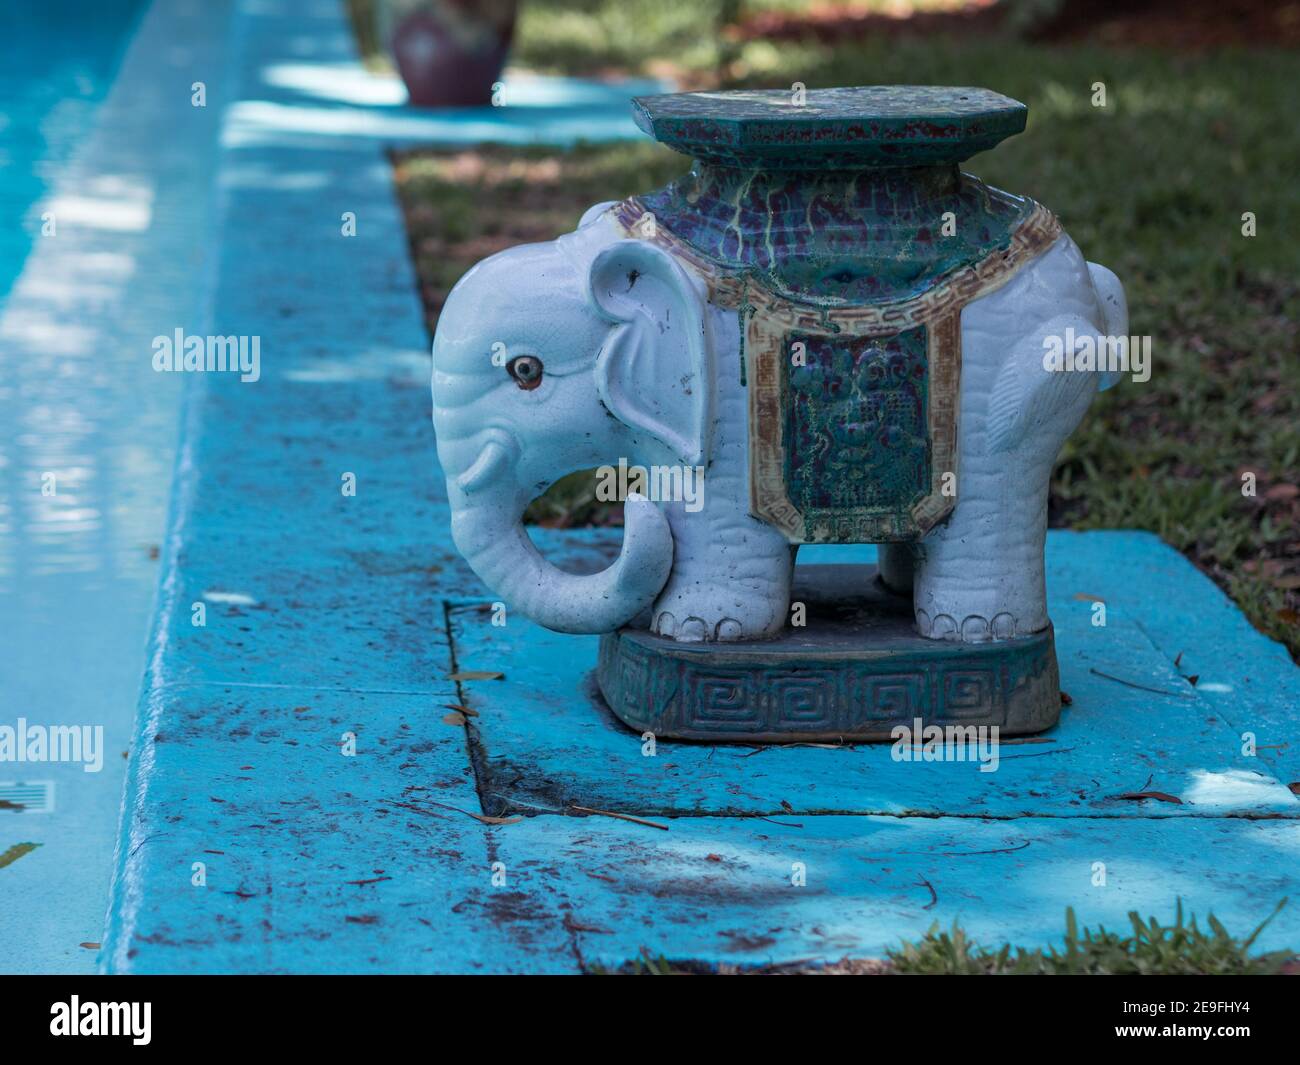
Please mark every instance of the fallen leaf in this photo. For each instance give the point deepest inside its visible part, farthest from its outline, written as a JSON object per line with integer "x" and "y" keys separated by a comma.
{"x": 1288, "y": 616}
{"x": 621, "y": 817}
{"x": 484, "y": 818}
{"x": 787, "y": 807}
{"x": 455, "y": 718}
{"x": 1193, "y": 678}
{"x": 783, "y": 824}
{"x": 713, "y": 857}
{"x": 461, "y": 709}
{"x": 477, "y": 674}
{"x": 1066, "y": 700}
{"x": 90, "y": 946}
{"x": 1161, "y": 796}
{"x": 15, "y": 852}
{"x": 1295, "y": 787}
{"x": 1280, "y": 493}
{"x": 572, "y": 924}
{"x": 1089, "y": 598}
{"x": 1134, "y": 684}
{"x": 1290, "y": 581}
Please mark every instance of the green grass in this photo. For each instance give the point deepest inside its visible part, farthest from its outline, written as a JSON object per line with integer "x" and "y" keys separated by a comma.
{"x": 695, "y": 40}
{"x": 461, "y": 206}
{"x": 633, "y": 36}
{"x": 1146, "y": 948}
{"x": 371, "y": 48}
{"x": 1181, "y": 948}
{"x": 1153, "y": 185}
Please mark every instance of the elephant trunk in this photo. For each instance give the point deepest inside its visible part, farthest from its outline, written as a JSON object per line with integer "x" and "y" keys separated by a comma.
{"x": 493, "y": 540}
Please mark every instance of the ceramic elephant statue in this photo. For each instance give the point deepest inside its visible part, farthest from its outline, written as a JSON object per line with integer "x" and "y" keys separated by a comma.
{"x": 917, "y": 409}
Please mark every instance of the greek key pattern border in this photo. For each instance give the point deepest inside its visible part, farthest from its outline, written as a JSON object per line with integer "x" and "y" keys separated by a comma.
{"x": 1014, "y": 686}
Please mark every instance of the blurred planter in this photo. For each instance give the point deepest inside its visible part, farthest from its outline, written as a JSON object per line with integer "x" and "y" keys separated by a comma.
{"x": 449, "y": 52}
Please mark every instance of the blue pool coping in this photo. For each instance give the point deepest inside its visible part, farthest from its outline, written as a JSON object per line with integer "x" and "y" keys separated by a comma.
{"x": 296, "y": 800}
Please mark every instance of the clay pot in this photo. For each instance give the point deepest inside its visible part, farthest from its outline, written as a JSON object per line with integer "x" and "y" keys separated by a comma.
{"x": 451, "y": 52}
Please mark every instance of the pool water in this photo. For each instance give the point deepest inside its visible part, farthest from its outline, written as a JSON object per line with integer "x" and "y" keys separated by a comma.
{"x": 57, "y": 60}
{"x": 76, "y": 563}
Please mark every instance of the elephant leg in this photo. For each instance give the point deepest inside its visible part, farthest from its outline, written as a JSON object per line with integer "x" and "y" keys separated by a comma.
{"x": 730, "y": 580}
{"x": 980, "y": 576}
{"x": 894, "y": 564}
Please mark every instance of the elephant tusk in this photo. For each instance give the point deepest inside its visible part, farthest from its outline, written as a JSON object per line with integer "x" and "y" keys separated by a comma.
{"x": 496, "y": 453}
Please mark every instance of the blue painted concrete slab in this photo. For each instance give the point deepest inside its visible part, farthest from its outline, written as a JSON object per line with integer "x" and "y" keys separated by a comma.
{"x": 547, "y": 741}
{"x": 332, "y": 614}
{"x": 1249, "y": 680}
{"x": 722, "y": 889}
{"x": 312, "y": 858}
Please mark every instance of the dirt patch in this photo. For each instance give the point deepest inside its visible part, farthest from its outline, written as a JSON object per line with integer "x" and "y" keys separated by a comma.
{"x": 1182, "y": 25}
{"x": 1187, "y": 25}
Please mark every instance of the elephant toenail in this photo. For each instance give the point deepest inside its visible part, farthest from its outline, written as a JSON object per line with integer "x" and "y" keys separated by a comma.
{"x": 727, "y": 629}
{"x": 945, "y": 628}
{"x": 665, "y": 624}
{"x": 975, "y": 629}
{"x": 693, "y": 630}
{"x": 1004, "y": 626}
{"x": 923, "y": 623}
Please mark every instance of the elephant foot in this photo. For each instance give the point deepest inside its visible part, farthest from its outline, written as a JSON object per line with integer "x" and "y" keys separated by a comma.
{"x": 694, "y": 629}
{"x": 972, "y": 628}
{"x": 700, "y": 620}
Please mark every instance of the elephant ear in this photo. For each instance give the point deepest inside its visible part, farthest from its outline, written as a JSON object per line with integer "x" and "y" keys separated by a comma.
{"x": 1028, "y": 395}
{"x": 1114, "y": 310}
{"x": 595, "y": 211}
{"x": 653, "y": 372}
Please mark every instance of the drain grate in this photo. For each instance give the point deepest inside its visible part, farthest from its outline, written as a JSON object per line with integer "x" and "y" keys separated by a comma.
{"x": 27, "y": 797}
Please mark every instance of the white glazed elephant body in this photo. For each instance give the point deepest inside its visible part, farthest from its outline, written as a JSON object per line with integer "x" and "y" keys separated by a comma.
{"x": 599, "y": 346}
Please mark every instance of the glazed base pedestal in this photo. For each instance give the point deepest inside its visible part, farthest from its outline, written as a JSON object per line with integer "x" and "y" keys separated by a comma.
{"x": 856, "y": 671}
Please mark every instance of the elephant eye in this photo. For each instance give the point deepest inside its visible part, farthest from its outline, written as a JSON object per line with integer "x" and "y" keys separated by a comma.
{"x": 526, "y": 370}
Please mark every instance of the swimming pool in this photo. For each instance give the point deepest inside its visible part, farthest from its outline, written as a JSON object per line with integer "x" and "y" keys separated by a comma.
{"x": 59, "y": 57}
{"x": 87, "y": 429}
